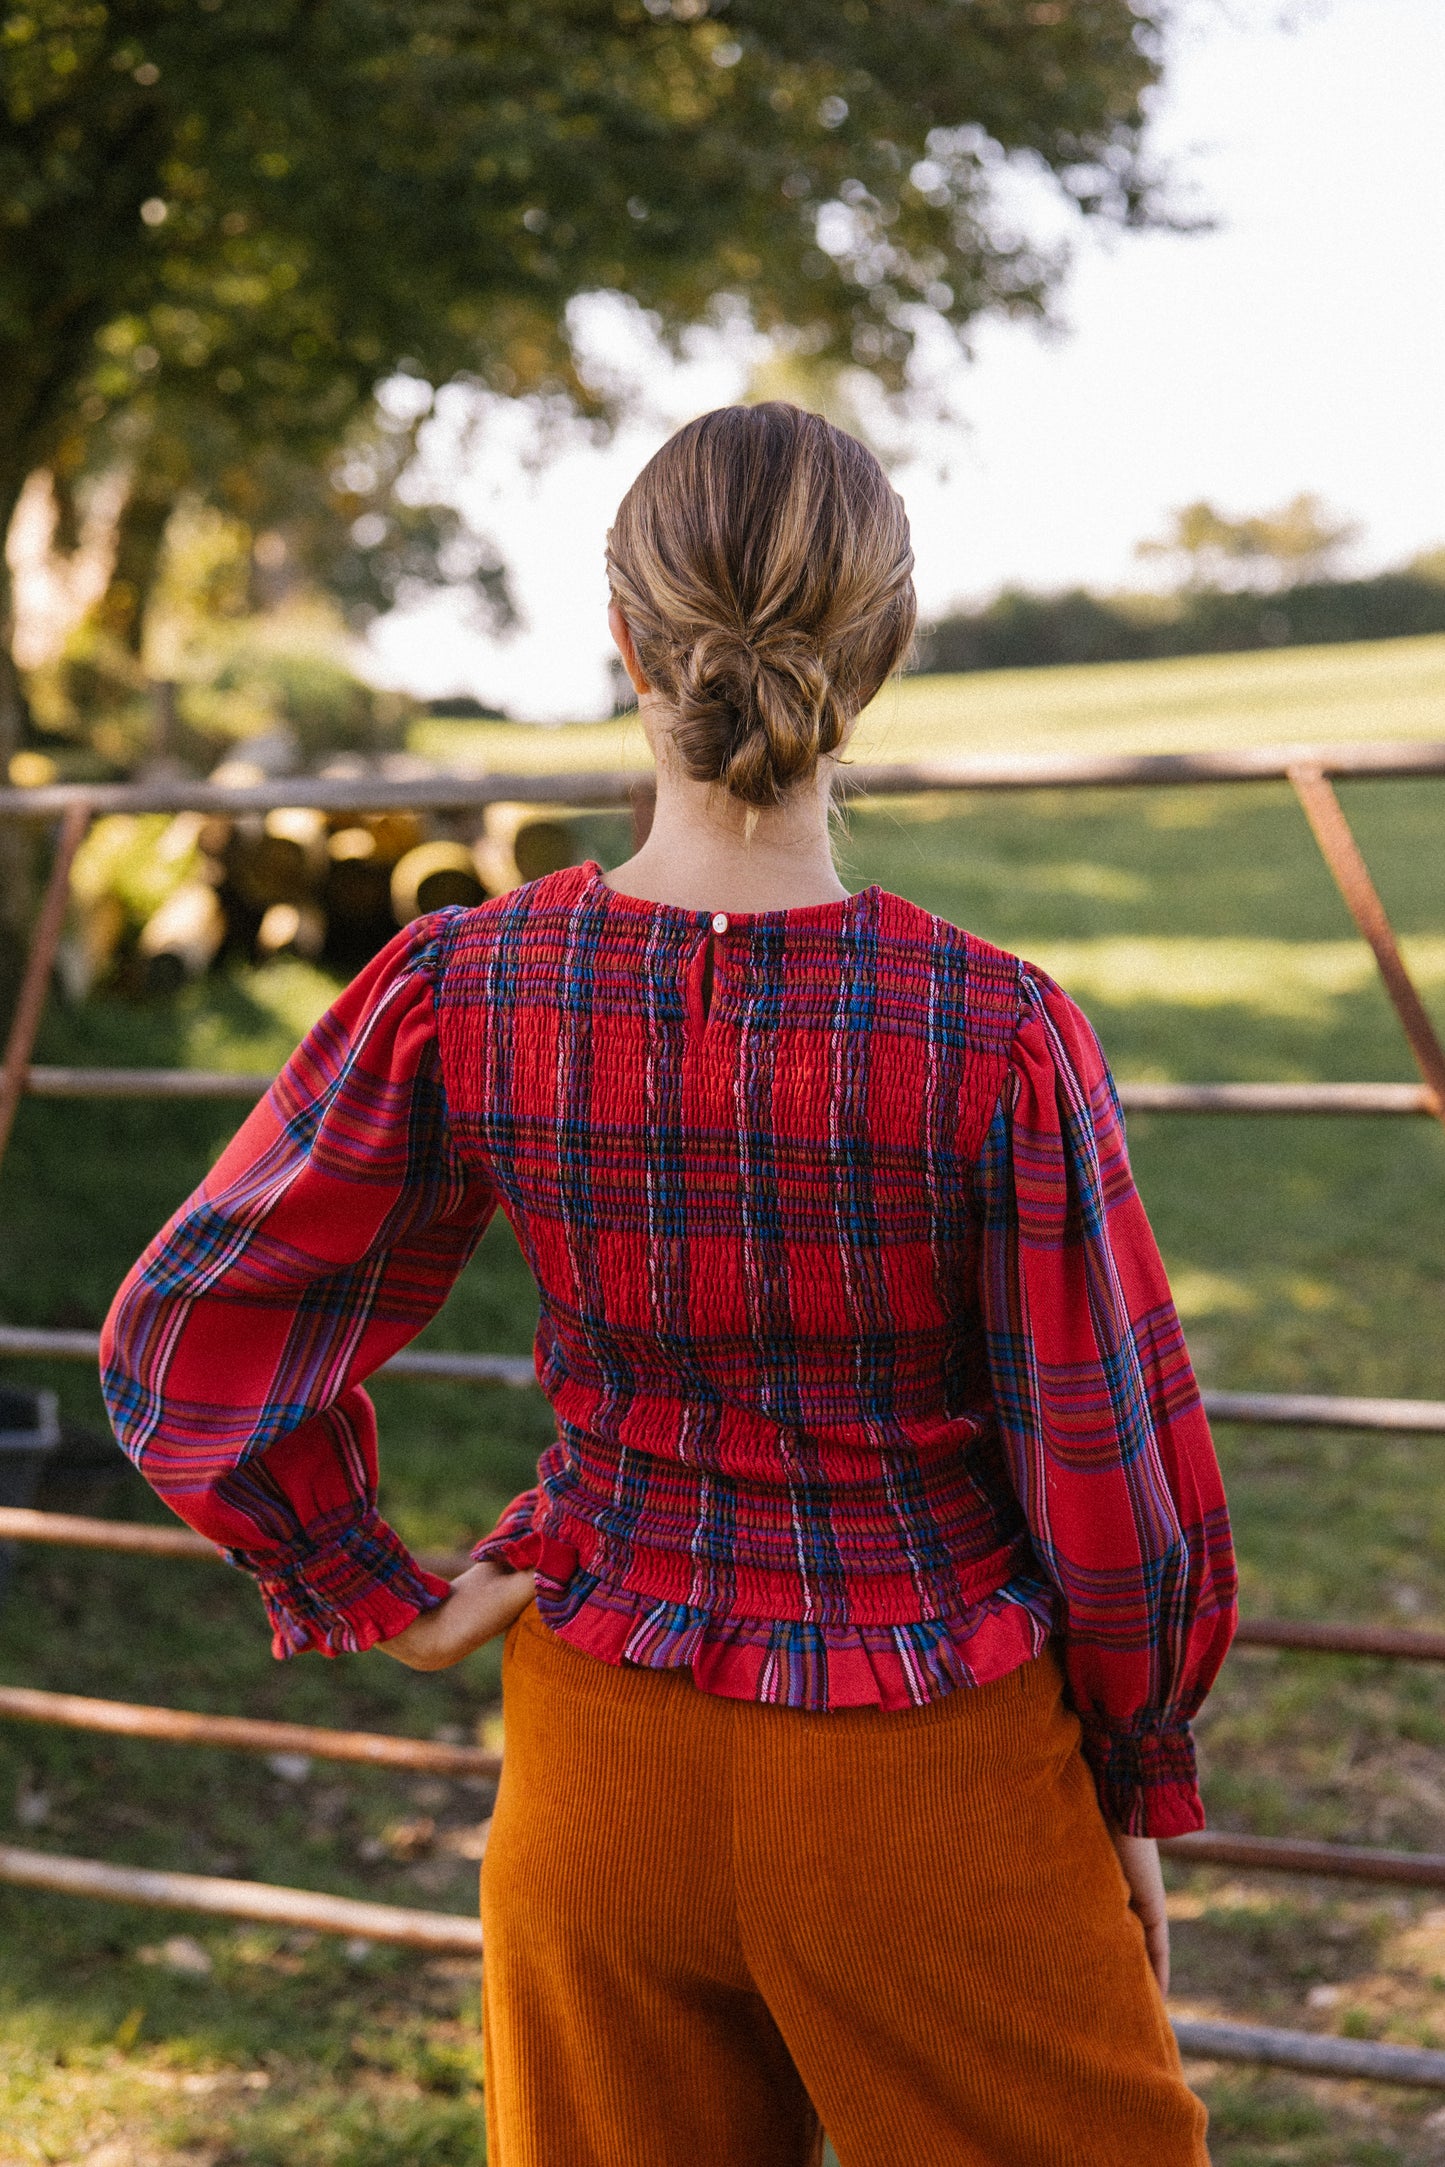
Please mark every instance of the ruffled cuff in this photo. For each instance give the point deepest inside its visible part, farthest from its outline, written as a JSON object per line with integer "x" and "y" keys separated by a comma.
{"x": 345, "y": 1594}
{"x": 1146, "y": 1778}
{"x": 513, "y": 1546}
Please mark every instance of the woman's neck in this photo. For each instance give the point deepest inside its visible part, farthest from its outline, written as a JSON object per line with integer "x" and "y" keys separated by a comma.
{"x": 700, "y": 853}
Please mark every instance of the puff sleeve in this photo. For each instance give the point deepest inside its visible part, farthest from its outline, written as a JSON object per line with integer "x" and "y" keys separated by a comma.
{"x": 1101, "y": 1419}
{"x": 328, "y": 1233}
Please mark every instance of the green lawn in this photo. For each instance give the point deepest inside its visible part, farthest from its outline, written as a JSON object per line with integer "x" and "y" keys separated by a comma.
{"x": 1195, "y": 703}
{"x": 1206, "y": 941}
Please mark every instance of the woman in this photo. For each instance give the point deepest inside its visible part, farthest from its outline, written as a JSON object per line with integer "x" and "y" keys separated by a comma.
{"x": 881, "y": 1558}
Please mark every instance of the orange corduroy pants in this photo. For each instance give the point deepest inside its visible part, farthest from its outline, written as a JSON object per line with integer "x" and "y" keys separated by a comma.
{"x": 713, "y": 1928}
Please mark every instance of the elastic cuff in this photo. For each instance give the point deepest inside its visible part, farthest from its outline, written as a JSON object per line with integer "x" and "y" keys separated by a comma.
{"x": 512, "y": 1546}
{"x": 345, "y": 1595}
{"x": 1146, "y": 1779}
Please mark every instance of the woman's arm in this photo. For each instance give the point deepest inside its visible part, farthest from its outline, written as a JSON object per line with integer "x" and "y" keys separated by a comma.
{"x": 1138, "y": 1858}
{"x": 329, "y": 1232}
{"x": 482, "y": 1603}
{"x": 1101, "y": 1421}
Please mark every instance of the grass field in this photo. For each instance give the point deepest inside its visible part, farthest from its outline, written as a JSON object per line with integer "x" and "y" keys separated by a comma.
{"x": 1295, "y": 695}
{"x": 1206, "y": 941}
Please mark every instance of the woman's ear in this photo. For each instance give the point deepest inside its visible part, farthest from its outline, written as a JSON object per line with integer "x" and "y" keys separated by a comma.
{"x": 621, "y": 632}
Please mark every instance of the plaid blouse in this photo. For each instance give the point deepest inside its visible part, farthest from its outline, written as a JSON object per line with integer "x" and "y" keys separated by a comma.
{"x": 866, "y": 1376}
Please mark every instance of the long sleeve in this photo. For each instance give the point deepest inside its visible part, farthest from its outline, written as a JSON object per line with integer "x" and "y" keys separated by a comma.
{"x": 329, "y": 1232}
{"x": 513, "y": 1545}
{"x": 1101, "y": 1420}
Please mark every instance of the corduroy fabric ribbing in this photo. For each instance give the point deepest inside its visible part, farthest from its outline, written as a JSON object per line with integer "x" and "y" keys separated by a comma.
{"x": 711, "y": 1924}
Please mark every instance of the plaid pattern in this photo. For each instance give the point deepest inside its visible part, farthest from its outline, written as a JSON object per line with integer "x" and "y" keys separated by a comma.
{"x": 864, "y": 1366}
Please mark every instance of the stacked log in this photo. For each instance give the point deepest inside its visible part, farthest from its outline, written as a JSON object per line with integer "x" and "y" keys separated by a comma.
{"x": 124, "y": 917}
{"x": 522, "y": 842}
{"x": 279, "y": 857}
{"x": 297, "y": 929}
{"x": 183, "y": 938}
{"x": 157, "y": 902}
{"x": 432, "y": 876}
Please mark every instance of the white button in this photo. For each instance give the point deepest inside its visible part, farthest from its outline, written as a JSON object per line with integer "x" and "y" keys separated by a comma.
{"x": 719, "y": 922}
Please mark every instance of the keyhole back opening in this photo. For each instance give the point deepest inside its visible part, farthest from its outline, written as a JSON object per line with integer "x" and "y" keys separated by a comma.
{"x": 705, "y": 986}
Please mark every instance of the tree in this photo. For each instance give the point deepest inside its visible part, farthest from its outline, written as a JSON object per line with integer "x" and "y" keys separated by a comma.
{"x": 1203, "y": 542}
{"x": 1301, "y": 540}
{"x": 259, "y": 210}
{"x": 351, "y": 523}
{"x": 1297, "y": 542}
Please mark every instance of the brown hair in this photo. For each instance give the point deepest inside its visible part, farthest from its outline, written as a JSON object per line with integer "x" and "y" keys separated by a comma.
{"x": 764, "y": 567}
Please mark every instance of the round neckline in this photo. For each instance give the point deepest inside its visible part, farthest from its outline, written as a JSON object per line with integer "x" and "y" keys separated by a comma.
{"x": 797, "y": 914}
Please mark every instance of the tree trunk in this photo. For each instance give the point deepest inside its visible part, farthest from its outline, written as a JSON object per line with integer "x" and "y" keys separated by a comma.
{"x": 17, "y": 897}
{"x": 14, "y": 707}
{"x": 139, "y": 538}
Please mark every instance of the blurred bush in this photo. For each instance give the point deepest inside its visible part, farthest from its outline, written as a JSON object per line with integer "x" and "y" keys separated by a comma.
{"x": 1019, "y": 630}
{"x": 263, "y": 686}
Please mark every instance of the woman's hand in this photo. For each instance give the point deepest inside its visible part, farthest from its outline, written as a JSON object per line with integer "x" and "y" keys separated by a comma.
{"x": 1139, "y": 1857}
{"x": 483, "y": 1603}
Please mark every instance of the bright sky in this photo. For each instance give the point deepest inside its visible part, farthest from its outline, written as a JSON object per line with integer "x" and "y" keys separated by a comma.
{"x": 1297, "y": 346}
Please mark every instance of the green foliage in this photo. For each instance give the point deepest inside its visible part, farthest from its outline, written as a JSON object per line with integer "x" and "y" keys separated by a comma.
{"x": 1253, "y": 582}
{"x": 326, "y": 708}
{"x": 236, "y": 677}
{"x": 139, "y": 859}
{"x": 234, "y": 221}
{"x": 353, "y": 528}
{"x": 92, "y": 700}
{"x": 1298, "y": 541}
{"x": 285, "y": 200}
{"x": 1020, "y": 631}
{"x": 349, "y": 527}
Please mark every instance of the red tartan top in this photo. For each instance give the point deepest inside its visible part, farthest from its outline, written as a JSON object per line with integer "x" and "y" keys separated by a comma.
{"x": 865, "y": 1371}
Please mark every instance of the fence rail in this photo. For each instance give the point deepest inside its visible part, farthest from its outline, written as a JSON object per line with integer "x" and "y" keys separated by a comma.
{"x": 246, "y": 1734}
{"x": 1306, "y": 1636}
{"x": 1317, "y": 1636}
{"x": 603, "y": 788}
{"x": 436, "y": 1365}
{"x": 1319, "y": 2054}
{"x": 1292, "y": 1855}
{"x": 441, "y": 1933}
{"x": 1143, "y": 1098}
{"x": 1289, "y": 1410}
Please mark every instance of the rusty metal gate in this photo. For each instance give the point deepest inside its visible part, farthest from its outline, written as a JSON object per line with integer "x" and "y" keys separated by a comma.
{"x": 1310, "y": 771}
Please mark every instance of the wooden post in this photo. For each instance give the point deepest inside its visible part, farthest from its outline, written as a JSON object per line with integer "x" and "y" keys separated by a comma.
{"x": 166, "y": 718}
{"x": 30, "y": 1006}
{"x": 1342, "y": 855}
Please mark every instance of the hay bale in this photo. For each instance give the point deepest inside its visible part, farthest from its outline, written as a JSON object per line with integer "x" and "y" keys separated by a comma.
{"x": 432, "y": 876}
{"x": 183, "y": 938}
{"x": 297, "y": 929}
{"x": 522, "y": 842}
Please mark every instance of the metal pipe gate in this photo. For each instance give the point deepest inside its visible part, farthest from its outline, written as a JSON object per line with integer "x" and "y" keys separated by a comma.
{"x": 1308, "y": 769}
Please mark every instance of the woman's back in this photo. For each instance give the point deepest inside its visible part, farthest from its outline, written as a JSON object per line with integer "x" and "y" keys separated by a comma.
{"x": 748, "y": 1220}
{"x": 753, "y": 1233}
{"x": 869, "y": 1395}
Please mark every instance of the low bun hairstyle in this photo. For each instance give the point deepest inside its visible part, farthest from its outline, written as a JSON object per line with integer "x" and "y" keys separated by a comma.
{"x": 764, "y": 567}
